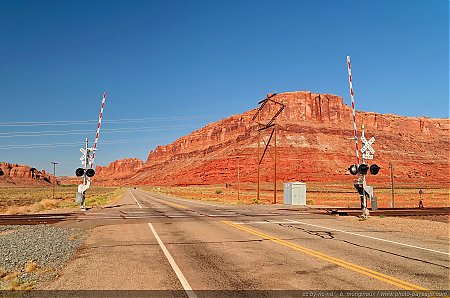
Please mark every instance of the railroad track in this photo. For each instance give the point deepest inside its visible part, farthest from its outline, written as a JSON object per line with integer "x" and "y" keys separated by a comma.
{"x": 35, "y": 219}
{"x": 52, "y": 218}
{"x": 389, "y": 211}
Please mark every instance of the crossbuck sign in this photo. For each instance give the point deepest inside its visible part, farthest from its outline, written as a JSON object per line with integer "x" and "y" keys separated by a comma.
{"x": 88, "y": 158}
{"x": 367, "y": 149}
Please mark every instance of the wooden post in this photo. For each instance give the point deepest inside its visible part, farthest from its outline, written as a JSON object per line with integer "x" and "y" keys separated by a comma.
{"x": 54, "y": 176}
{"x": 238, "y": 178}
{"x": 275, "y": 167}
{"x": 259, "y": 149}
{"x": 391, "y": 166}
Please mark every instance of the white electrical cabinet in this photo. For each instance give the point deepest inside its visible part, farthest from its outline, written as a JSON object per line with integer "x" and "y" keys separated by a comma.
{"x": 295, "y": 193}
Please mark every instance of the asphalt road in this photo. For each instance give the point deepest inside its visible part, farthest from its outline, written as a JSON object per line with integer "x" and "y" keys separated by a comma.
{"x": 156, "y": 242}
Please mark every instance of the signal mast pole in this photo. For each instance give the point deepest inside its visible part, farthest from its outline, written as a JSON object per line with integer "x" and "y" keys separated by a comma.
{"x": 86, "y": 160}
{"x": 364, "y": 197}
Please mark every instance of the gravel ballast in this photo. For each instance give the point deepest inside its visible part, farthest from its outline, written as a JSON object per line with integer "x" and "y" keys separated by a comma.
{"x": 47, "y": 246}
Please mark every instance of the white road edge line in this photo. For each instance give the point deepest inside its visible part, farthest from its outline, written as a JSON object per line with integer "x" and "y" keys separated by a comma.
{"x": 135, "y": 199}
{"x": 370, "y": 237}
{"x": 187, "y": 288}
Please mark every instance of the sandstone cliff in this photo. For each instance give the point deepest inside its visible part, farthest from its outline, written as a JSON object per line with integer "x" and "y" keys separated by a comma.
{"x": 23, "y": 175}
{"x": 119, "y": 170}
{"x": 313, "y": 140}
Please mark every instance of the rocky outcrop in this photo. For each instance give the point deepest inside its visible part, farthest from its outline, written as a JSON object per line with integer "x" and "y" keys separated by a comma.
{"x": 119, "y": 171}
{"x": 314, "y": 143}
{"x": 23, "y": 175}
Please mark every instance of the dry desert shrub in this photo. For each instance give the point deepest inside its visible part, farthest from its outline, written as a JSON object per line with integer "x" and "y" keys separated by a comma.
{"x": 11, "y": 276}
{"x": 12, "y": 210}
{"x": 30, "y": 266}
{"x": 74, "y": 237}
{"x": 44, "y": 204}
{"x": 48, "y": 203}
{"x": 16, "y": 285}
{"x": 2, "y": 273}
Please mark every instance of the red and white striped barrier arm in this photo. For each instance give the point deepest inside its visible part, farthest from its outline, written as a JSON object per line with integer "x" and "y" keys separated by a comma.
{"x": 98, "y": 128}
{"x": 353, "y": 107}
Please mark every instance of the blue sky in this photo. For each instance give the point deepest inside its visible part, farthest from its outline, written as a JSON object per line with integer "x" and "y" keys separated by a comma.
{"x": 179, "y": 65}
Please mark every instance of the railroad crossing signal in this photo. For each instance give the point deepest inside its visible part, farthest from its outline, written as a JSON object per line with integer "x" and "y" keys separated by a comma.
{"x": 353, "y": 169}
{"x": 81, "y": 172}
{"x": 363, "y": 169}
{"x": 374, "y": 169}
{"x": 86, "y": 160}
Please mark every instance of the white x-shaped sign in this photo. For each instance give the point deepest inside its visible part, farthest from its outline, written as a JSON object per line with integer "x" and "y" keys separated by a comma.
{"x": 87, "y": 151}
{"x": 367, "y": 145}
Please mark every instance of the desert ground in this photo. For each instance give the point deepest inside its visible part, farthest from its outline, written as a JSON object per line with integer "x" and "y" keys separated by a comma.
{"x": 23, "y": 200}
{"x": 318, "y": 194}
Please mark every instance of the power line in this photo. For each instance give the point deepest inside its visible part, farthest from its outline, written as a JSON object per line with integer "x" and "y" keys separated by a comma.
{"x": 47, "y": 145}
{"x": 86, "y": 122}
{"x": 77, "y": 132}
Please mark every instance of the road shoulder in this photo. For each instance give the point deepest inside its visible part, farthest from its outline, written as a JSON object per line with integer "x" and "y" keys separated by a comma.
{"x": 118, "y": 257}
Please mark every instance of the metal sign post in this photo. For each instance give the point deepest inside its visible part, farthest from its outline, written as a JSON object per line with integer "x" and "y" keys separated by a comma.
{"x": 364, "y": 156}
{"x": 87, "y": 173}
{"x": 367, "y": 153}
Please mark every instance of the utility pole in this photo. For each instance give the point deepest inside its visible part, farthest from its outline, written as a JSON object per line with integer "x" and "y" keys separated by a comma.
{"x": 391, "y": 165}
{"x": 259, "y": 152}
{"x": 54, "y": 175}
{"x": 271, "y": 123}
{"x": 238, "y": 178}
{"x": 275, "y": 166}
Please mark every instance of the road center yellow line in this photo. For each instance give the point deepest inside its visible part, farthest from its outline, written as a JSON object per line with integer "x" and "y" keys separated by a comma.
{"x": 356, "y": 268}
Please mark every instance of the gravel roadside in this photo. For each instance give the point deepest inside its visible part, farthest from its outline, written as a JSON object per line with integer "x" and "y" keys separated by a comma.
{"x": 430, "y": 226}
{"x": 34, "y": 254}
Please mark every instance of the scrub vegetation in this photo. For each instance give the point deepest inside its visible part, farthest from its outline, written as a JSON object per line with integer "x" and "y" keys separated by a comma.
{"x": 23, "y": 200}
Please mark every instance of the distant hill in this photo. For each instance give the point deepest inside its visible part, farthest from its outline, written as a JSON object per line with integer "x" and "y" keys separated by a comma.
{"x": 314, "y": 144}
{"x": 23, "y": 175}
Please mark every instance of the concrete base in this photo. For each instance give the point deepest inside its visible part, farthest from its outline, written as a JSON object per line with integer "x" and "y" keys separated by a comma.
{"x": 365, "y": 213}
